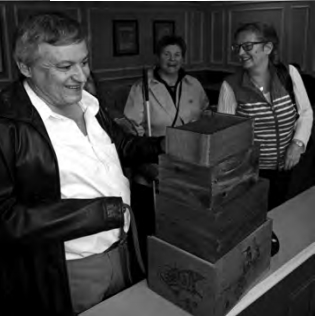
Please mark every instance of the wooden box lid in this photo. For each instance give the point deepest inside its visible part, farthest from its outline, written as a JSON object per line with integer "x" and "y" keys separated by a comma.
{"x": 209, "y": 139}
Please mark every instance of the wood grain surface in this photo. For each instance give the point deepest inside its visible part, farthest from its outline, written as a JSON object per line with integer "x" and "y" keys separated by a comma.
{"x": 203, "y": 288}
{"x": 211, "y": 234}
{"x": 212, "y": 186}
{"x": 210, "y": 139}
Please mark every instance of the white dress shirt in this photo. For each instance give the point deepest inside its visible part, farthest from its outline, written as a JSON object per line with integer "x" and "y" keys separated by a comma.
{"x": 89, "y": 166}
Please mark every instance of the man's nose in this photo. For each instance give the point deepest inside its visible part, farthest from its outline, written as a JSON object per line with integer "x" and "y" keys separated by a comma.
{"x": 80, "y": 74}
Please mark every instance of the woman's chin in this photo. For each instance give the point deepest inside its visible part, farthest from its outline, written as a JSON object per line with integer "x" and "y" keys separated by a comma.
{"x": 247, "y": 65}
{"x": 171, "y": 71}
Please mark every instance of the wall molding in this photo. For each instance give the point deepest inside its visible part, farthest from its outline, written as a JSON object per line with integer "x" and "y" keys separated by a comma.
{"x": 89, "y": 35}
{"x": 138, "y": 76}
{"x": 40, "y": 6}
{"x": 186, "y": 36}
{"x": 211, "y": 59}
{"x": 121, "y": 69}
{"x": 6, "y": 58}
{"x": 201, "y": 38}
{"x": 304, "y": 54}
{"x": 138, "y": 10}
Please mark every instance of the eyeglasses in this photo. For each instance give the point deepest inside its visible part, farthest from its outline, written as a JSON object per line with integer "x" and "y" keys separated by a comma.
{"x": 247, "y": 46}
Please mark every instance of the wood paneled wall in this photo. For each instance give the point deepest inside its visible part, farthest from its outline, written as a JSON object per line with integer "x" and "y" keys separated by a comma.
{"x": 206, "y": 26}
{"x": 294, "y": 22}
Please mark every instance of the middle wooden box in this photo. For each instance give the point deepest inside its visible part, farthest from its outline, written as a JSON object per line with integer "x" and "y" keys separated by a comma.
{"x": 209, "y": 234}
{"x": 208, "y": 187}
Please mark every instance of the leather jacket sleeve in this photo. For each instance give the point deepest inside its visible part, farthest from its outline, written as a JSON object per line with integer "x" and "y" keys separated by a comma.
{"x": 28, "y": 219}
{"x": 132, "y": 149}
{"x": 58, "y": 220}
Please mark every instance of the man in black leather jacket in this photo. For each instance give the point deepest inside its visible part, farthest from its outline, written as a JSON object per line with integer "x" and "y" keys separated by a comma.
{"x": 37, "y": 217}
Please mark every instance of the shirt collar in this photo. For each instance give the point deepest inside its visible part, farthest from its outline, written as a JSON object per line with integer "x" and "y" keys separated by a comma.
{"x": 88, "y": 101}
{"x": 157, "y": 77}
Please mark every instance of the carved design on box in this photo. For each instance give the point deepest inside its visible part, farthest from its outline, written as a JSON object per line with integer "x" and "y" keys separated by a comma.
{"x": 252, "y": 255}
{"x": 184, "y": 285}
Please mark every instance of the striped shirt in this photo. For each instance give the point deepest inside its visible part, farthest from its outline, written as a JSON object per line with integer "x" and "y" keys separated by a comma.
{"x": 273, "y": 128}
{"x": 275, "y": 120}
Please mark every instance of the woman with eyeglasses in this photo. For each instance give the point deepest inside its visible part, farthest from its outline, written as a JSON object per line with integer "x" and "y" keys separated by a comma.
{"x": 275, "y": 97}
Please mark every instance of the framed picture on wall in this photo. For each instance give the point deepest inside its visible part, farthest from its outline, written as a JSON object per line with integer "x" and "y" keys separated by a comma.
{"x": 1, "y": 55}
{"x": 1, "y": 48}
{"x": 160, "y": 29}
{"x": 125, "y": 37}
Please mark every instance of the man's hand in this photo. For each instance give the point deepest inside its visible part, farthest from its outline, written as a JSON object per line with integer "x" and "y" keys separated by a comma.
{"x": 149, "y": 171}
{"x": 127, "y": 217}
{"x": 292, "y": 157}
{"x": 128, "y": 126}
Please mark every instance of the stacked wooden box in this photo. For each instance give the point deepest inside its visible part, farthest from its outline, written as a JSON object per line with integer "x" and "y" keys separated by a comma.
{"x": 213, "y": 237}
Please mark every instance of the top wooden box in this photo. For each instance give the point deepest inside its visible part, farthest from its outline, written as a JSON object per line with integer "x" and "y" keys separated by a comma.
{"x": 210, "y": 139}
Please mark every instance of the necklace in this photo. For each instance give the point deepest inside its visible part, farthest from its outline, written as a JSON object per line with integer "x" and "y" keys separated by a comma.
{"x": 261, "y": 88}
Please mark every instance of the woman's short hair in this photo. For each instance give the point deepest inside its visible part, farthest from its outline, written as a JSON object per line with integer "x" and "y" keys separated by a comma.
{"x": 265, "y": 33}
{"x": 170, "y": 40}
{"x": 52, "y": 28}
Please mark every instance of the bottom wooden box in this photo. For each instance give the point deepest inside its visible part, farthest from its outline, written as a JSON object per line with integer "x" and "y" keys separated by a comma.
{"x": 203, "y": 288}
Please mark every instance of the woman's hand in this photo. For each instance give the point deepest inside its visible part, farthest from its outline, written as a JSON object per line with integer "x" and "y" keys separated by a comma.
{"x": 292, "y": 157}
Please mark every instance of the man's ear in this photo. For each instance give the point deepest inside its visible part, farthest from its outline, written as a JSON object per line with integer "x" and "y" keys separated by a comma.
{"x": 268, "y": 47}
{"x": 24, "y": 69}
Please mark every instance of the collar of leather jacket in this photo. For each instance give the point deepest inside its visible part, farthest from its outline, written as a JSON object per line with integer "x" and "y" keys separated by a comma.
{"x": 15, "y": 103}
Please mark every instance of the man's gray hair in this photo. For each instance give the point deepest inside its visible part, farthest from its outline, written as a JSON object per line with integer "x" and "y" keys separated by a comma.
{"x": 52, "y": 28}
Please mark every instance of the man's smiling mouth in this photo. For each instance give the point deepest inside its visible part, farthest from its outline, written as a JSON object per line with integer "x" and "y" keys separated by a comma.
{"x": 73, "y": 87}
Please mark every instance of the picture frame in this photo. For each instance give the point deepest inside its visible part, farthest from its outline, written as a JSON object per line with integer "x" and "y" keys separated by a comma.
{"x": 160, "y": 29}
{"x": 125, "y": 37}
{"x": 1, "y": 55}
{"x": 2, "y": 69}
